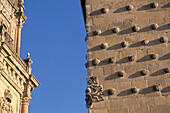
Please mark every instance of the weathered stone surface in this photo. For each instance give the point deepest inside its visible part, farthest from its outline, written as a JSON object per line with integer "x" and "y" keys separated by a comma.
{"x": 139, "y": 48}
{"x": 122, "y": 110}
{"x": 160, "y": 109}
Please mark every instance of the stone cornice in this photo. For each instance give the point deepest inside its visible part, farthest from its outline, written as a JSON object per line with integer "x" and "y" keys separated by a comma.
{"x": 34, "y": 81}
{"x": 14, "y": 57}
{"x": 19, "y": 64}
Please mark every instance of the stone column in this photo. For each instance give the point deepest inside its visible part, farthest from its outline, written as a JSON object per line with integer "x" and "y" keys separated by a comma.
{"x": 20, "y": 22}
{"x": 18, "y": 44}
{"x": 26, "y": 98}
{"x": 25, "y": 104}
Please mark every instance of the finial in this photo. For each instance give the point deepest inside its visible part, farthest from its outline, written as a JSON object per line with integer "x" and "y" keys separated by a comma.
{"x": 28, "y": 60}
{"x": 28, "y": 55}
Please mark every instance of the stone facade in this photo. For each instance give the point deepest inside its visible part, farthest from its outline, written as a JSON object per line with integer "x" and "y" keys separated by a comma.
{"x": 16, "y": 80}
{"x": 128, "y": 55}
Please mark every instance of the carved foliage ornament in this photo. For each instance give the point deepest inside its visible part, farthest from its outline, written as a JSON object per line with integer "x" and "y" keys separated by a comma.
{"x": 5, "y": 102}
{"x": 93, "y": 91}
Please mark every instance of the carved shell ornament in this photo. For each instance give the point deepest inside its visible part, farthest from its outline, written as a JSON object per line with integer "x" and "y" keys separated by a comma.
{"x": 93, "y": 91}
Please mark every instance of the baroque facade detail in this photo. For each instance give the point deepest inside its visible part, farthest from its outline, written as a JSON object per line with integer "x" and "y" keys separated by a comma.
{"x": 5, "y": 102}
{"x": 15, "y": 73}
{"x": 93, "y": 91}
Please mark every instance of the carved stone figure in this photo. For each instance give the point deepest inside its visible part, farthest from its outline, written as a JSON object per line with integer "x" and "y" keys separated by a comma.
{"x": 8, "y": 96}
{"x": 5, "y": 102}
{"x": 93, "y": 91}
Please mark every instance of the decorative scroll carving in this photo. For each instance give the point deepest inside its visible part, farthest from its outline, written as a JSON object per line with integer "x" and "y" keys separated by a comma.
{"x": 8, "y": 96}
{"x": 5, "y": 102}
{"x": 93, "y": 91}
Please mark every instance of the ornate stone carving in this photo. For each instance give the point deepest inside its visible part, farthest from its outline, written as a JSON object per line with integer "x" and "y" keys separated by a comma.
{"x": 8, "y": 96}
{"x": 5, "y": 102}
{"x": 93, "y": 91}
{"x": 5, "y": 106}
{"x": 28, "y": 60}
{"x": 7, "y": 68}
{"x": 26, "y": 100}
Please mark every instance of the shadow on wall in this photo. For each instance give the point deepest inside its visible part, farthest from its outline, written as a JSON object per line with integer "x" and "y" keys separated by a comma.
{"x": 145, "y": 29}
{"x": 165, "y": 57}
{"x": 121, "y": 10}
{"x": 96, "y": 48}
{"x": 144, "y": 59}
{"x": 166, "y": 89}
{"x": 107, "y": 32}
{"x": 147, "y": 90}
{"x": 136, "y": 75}
{"x": 164, "y": 27}
{"x": 145, "y": 7}
{"x": 166, "y": 6}
{"x": 159, "y": 72}
{"x": 95, "y": 13}
{"x": 125, "y": 93}
{"x": 123, "y": 60}
{"x": 129, "y": 31}
{"x": 114, "y": 47}
{"x": 112, "y": 76}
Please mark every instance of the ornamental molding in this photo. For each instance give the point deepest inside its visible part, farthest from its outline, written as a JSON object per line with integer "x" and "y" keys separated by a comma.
{"x": 93, "y": 91}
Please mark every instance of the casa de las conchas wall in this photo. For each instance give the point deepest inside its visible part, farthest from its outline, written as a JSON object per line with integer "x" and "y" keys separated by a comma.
{"x": 128, "y": 55}
{"x": 16, "y": 80}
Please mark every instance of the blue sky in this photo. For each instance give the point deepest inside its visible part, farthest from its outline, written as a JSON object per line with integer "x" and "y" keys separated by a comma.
{"x": 54, "y": 35}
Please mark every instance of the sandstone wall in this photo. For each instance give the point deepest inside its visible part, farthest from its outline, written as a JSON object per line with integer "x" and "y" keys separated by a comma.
{"x": 128, "y": 53}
